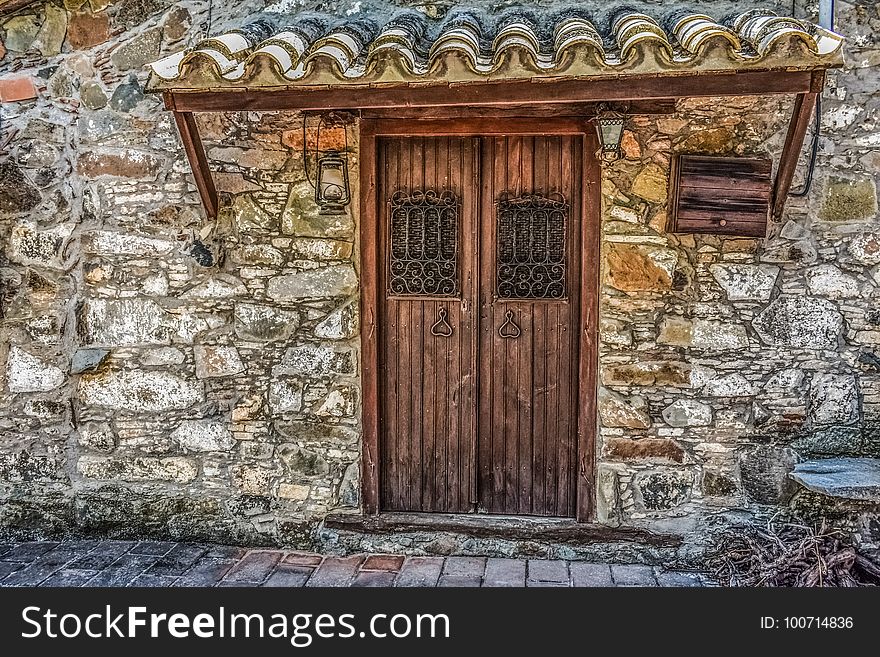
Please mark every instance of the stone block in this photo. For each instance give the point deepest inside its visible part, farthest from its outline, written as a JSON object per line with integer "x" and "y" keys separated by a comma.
{"x": 865, "y": 248}
{"x": 129, "y": 163}
{"x": 139, "y": 391}
{"x": 22, "y": 466}
{"x": 285, "y": 395}
{"x": 263, "y": 323}
{"x": 20, "y": 32}
{"x": 138, "y": 51}
{"x": 320, "y": 250}
{"x": 218, "y": 286}
{"x": 214, "y": 361}
{"x": 253, "y": 480}
{"x": 28, "y": 373}
{"x": 118, "y": 322}
{"x": 648, "y": 373}
{"x": 718, "y": 484}
{"x": 318, "y": 360}
{"x": 664, "y": 489}
{"x": 13, "y": 90}
{"x": 650, "y": 184}
{"x": 88, "y": 29}
{"x": 842, "y": 478}
{"x": 828, "y": 281}
{"x": 33, "y": 245}
{"x": 140, "y": 468}
{"x": 323, "y": 282}
{"x": 800, "y": 321}
{"x": 834, "y": 399}
{"x": 608, "y": 509}
{"x": 109, "y": 243}
{"x": 834, "y": 441}
{"x": 98, "y": 436}
{"x": 626, "y": 412}
{"x": 87, "y": 360}
{"x": 849, "y": 199}
{"x": 704, "y": 334}
{"x": 341, "y": 401}
{"x": 746, "y": 282}
{"x": 640, "y": 268}
{"x": 643, "y": 449}
{"x": 340, "y": 324}
{"x": 301, "y": 218}
{"x": 687, "y": 413}
{"x": 17, "y": 193}
{"x": 248, "y": 216}
{"x": 764, "y": 473}
{"x": 203, "y": 436}
{"x": 294, "y": 492}
{"x": 302, "y": 462}
{"x": 729, "y": 385}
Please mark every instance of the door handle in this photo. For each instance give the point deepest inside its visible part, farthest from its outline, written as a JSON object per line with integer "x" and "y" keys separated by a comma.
{"x": 441, "y": 328}
{"x": 509, "y": 329}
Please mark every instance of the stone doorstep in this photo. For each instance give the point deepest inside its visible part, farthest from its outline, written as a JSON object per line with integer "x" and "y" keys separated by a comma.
{"x": 850, "y": 478}
{"x": 561, "y": 530}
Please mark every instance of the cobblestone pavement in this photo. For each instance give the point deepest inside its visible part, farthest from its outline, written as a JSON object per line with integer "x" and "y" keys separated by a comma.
{"x": 162, "y": 563}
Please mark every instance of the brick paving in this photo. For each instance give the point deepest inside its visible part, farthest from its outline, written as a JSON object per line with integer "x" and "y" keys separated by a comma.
{"x": 165, "y": 563}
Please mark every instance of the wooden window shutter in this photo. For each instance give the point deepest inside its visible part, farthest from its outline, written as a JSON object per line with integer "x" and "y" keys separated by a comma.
{"x": 720, "y": 195}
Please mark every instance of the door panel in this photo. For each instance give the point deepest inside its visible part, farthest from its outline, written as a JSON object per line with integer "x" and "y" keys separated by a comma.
{"x": 528, "y": 320}
{"x": 428, "y": 344}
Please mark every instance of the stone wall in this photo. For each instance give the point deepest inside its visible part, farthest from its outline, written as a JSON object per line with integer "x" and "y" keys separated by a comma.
{"x": 168, "y": 375}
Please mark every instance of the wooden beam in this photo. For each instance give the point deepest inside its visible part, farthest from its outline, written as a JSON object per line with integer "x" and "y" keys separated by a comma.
{"x": 804, "y": 103}
{"x": 486, "y": 127}
{"x": 9, "y": 6}
{"x": 652, "y": 107}
{"x": 536, "y": 91}
{"x": 195, "y": 153}
{"x": 369, "y": 308}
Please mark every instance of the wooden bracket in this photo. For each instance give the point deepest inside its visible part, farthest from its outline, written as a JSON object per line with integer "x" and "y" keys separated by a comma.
{"x": 804, "y": 104}
{"x": 198, "y": 161}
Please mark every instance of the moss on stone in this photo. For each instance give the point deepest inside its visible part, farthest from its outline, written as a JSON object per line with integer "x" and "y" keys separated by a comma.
{"x": 849, "y": 200}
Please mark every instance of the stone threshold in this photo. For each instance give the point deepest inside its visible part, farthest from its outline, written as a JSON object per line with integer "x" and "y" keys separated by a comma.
{"x": 514, "y": 528}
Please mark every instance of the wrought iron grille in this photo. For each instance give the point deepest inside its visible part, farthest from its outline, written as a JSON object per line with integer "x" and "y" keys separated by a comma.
{"x": 531, "y": 246}
{"x": 424, "y": 244}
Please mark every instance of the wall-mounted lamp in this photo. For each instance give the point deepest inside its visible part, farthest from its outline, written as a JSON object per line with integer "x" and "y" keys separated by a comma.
{"x": 609, "y": 126}
{"x": 332, "y": 189}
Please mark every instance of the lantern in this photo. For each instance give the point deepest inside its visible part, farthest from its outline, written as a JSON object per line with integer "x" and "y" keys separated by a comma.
{"x": 332, "y": 192}
{"x": 609, "y": 125}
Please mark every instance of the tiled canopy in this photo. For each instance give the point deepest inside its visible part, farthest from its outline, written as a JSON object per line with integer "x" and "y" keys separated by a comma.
{"x": 409, "y": 48}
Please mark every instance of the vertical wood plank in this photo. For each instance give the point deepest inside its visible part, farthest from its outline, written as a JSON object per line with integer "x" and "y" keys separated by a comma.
{"x": 369, "y": 240}
{"x": 589, "y": 325}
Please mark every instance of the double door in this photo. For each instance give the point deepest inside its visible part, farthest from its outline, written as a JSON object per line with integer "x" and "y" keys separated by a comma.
{"x": 479, "y": 308}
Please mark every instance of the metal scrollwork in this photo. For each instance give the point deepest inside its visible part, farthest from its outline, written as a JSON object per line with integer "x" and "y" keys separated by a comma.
{"x": 531, "y": 247}
{"x": 441, "y": 327}
{"x": 509, "y": 329}
{"x": 424, "y": 244}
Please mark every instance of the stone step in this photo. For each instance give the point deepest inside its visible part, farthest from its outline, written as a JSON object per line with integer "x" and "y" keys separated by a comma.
{"x": 845, "y": 478}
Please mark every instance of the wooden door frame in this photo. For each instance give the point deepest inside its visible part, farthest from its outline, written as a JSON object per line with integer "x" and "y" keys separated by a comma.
{"x": 370, "y": 131}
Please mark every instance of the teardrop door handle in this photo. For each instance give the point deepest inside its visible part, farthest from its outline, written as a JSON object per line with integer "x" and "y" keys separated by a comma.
{"x": 509, "y": 329}
{"x": 441, "y": 328}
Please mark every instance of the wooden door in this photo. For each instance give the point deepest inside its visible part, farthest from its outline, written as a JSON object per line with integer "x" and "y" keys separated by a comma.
{"x": 529, "y": 300}
{"x": 479, "y": 297}
{"x": 428, "y": 219}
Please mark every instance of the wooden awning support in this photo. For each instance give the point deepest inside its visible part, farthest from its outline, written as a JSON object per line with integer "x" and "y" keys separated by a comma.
{"x": 804, "y": 104}
{"x": 501, "y": 97}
